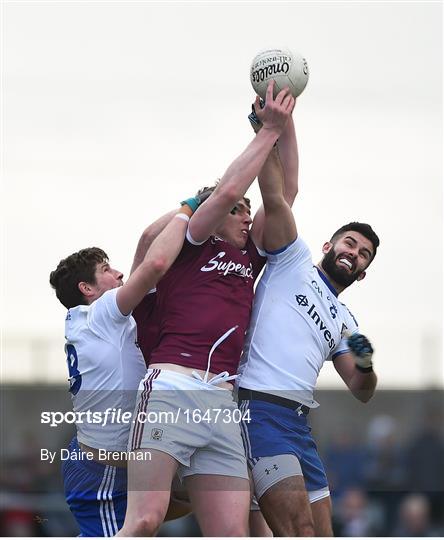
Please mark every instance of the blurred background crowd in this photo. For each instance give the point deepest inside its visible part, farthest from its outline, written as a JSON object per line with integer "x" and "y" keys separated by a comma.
{"x": 384, "y": 461}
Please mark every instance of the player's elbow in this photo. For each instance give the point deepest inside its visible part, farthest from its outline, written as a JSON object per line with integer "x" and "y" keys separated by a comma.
{"x": 148, "y": 236}
{"x": 228, "y": 193}
{"x": 364, "y": 395}
{"x": 159, "y": 265}
{"x": 290, "y": 196}
{"x": 155, "y": 267}
{"x": 364, "y": 398}
{"x": 274, "y": 202}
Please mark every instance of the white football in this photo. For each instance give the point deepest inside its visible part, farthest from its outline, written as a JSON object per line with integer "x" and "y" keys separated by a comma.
{"x": 286, "y": 67}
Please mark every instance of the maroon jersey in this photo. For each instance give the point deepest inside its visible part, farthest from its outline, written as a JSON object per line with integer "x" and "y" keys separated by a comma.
{"x": 207, "y": 292}
{"x": 146, "y": 317}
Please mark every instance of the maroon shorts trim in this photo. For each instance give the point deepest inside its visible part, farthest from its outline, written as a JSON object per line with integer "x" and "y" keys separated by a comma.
{"x": 142, "y": 407}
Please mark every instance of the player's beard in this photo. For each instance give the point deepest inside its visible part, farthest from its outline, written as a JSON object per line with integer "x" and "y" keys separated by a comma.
{"x": 339, "y": 275}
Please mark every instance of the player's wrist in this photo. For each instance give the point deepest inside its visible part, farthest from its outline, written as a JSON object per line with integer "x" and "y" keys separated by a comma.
{"x": 270, "y": 132}
{"x": 186, "y": 210}
{"x": 362, "y": 351}
{"x": 192, "y": 203}
{"x": 182, "y": 215}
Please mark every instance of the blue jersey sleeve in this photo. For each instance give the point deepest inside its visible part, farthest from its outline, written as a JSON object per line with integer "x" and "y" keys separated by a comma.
{"x": 295, "y": 254}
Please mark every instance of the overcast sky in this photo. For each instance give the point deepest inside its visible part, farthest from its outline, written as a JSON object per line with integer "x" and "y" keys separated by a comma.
{"x": 115, "y": 111}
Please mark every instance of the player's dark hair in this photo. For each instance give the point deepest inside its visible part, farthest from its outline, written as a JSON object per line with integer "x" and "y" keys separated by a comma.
{"x": 210, "y": 189}
{"x": 247, "y": 201}
{"x": 206, "y": 189}
{"x": 80, "y": 266}
{"x": 362, "y": 228}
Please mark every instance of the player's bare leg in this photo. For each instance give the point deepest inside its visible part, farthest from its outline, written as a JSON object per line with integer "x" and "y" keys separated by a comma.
{"x": 149, "y": 487}
{"x": 177, "y": 510}
{"x": 286, "y": 508}
{"x": 180, "y": 504}
{"x": 220, "y": 504}
{"x": 321, "y": 511}
{"x": 258, "y": 525}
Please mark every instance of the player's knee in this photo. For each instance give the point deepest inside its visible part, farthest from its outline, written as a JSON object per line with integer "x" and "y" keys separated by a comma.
{"x": 299, "y": 523}
{"x": 303, "y": 522}
{"x": 235, "y": 529}
{"x": 146, "y": 525}
{"x": 305, "y": 527}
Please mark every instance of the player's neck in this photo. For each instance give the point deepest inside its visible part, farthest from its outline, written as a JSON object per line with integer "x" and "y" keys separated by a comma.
{"x": 336, "y": 286}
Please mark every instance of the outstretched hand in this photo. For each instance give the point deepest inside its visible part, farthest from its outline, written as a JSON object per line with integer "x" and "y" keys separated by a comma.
{"x": 276, "y": 111}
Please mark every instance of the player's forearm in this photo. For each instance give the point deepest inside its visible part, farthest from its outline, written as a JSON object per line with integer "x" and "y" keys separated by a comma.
{"x": 271, "y": 186}
{"x": 279, "y": 227}
{"x": 166, "y": 247}
{"x": 157, "y": 261}
{"x": 244, "y": 169}
{"x": 233, "y": 185}
{"x": 149, "y": 235}
{"x": 289, "y": 156}
{"x": 271, "y": 178}
{"x": 363, "y": 385}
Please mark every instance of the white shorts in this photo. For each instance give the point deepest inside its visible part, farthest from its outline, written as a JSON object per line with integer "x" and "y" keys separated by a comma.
{"x": 196, "y": 423}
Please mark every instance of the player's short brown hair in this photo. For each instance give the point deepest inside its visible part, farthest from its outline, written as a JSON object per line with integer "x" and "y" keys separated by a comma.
{"x": 80, "y": 266}
{"x": 210, "y": 189}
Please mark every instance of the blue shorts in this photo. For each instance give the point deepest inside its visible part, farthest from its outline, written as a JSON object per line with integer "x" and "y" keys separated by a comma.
{"x": 273, "y": 430}
{"x": 96, "y": 494}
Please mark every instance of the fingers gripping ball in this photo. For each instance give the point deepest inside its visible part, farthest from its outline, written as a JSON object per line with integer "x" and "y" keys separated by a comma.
{"x": 361, "y": 347}
{"x": 287, "y": 68}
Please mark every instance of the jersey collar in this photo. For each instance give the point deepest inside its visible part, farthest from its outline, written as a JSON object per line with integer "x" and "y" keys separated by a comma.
{"x": 326, "y": 281}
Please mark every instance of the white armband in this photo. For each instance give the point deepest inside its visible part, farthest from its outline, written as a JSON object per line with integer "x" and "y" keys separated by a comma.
{"x": 182, "y": 216}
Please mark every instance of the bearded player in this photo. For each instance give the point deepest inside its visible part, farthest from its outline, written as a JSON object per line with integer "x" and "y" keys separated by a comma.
{"x": 297, "y": 324}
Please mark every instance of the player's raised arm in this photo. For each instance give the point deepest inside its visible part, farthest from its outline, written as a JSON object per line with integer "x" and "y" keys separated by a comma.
{"x": 288, "y": 150}
{"x": 244, "y": 169}
{"x": 149, "y": 235}
{"x": 289, "y": 158}
{"x": 153, "y": 230}
{"x": 279, "y": 227}
{"x": 158, "y": 259}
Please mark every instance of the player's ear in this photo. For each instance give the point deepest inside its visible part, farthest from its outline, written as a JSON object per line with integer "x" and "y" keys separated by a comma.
{"x": 326, "y": 247}
{"x": 361, "y": 276}
{"x": 85, "y": 288}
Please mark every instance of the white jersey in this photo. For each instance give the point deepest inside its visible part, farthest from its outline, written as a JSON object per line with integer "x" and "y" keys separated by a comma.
{"x": 297, "y": 323}
{"x": 105, "y": 367}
